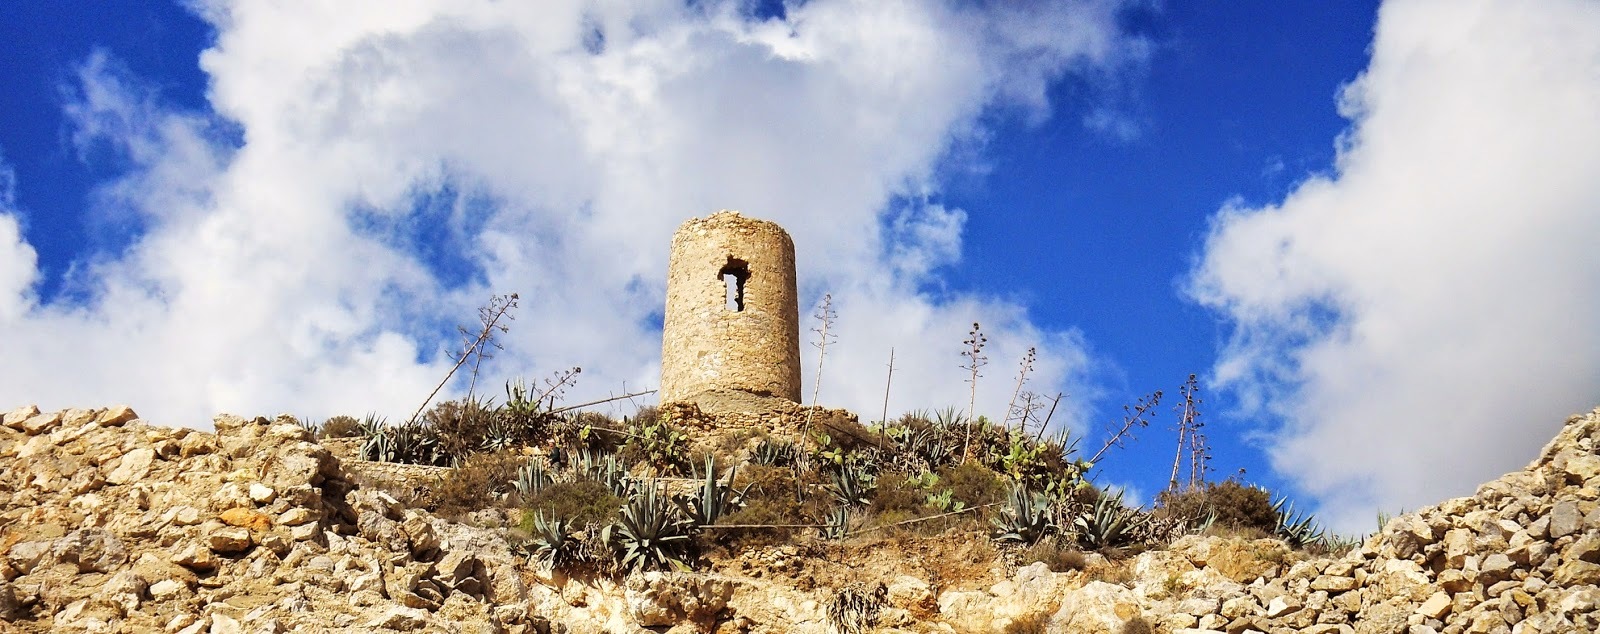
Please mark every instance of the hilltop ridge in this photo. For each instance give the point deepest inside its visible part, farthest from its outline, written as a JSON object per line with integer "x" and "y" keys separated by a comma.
{"x": 109, "y": 524}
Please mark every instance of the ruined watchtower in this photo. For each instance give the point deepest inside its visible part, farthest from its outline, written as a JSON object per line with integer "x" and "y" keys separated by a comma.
{"x": 732, "y": 326}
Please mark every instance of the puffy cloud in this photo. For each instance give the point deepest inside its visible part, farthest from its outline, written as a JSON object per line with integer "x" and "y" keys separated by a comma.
{"x": 17, "y": 259}
{"x": 1423, "y": 318}
{"x": 371, "y": 173}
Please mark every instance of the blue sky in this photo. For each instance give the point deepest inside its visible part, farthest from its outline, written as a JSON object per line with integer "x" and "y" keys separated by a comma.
{"x": 1368, "y": 229}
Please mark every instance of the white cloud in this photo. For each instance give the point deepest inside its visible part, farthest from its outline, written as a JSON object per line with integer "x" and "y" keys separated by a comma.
{"x": 1425, "y": 318}
{"x": 17, "y": 258}
{"x": 556, "y": 146}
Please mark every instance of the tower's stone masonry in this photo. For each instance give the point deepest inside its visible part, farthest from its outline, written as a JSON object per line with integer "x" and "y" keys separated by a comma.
{"x": 731, "y": 338}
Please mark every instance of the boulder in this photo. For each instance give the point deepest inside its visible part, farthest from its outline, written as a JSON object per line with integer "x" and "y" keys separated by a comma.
{"x": 669, "y": 598}
{"x": 1095, "y": 608}
{"x": 91, "y": 549}
{"x": 228, "y": 540}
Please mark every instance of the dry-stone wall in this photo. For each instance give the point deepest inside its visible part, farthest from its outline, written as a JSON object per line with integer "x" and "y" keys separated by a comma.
{"x": 781, "y": 417}
{"x": 111, "y": 525}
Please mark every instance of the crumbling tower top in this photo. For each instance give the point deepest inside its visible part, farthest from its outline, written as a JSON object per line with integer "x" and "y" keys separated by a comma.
{"x": 732, "y": 327}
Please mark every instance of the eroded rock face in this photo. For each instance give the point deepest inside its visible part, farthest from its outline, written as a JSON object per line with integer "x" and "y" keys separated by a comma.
{"x": 109, "y": 524}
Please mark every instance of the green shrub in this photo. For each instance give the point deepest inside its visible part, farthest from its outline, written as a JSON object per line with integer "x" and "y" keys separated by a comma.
{"x": 581, "y": 503}
{"x": 974, "y": 484}
{"x": 898, "y": 499}
{"x": 340, "y": 427}
{"x": 578, "y": 431}
{"x": 848, "y": 434}
{"x": 463, "y": 426}
{"x": 769, "y": 500}
{"x": 1053, "y": 553}
{"x": 658, "y": 444}
{"x": 527, "y": 416}
{"x": 481, "y": 481}
{"x": 1136, "y": 625}
{"x": 1233, "y": 505}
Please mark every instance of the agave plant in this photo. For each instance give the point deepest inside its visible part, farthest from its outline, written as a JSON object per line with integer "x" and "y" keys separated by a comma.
{"x": 605, "y": 469}
{"x": 837, "y": 525}
{"x": 372, "y": 430}
{"x": 1298, "y": 530}
{"x": 532, "y": 478}
{"x": 1027, "y": 518}
{"x": 713, "y": 500}
{"x": 312, "y": 427}
{"x": 500, "y": 433}
{"x": 554, "y": 542}
{"x": 774, "y": 453}
{"x": 407, "y": 443}
{"x": 853, "y": 486}
{"x": 1107, "y": 523}
{"x": 1337, "y": 544}
{"x": 648, "y": 535}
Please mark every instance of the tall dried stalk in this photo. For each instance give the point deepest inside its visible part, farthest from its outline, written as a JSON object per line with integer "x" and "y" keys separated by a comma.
{"x": 1189, "y": 437}
{"x": 974, "y": 353}
{"x": 1045, "y": 424}
{"x": 1022, "y": 377}
{"x": 825, "y": 315}
{"x": 883, "y": 424}
{"x": 489, "y": 316}
{"x": 1132, "y": 417}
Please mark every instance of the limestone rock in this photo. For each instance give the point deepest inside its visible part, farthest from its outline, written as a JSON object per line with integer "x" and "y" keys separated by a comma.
{"x": 669, "y": 598}
{"x": 133, "y": 466}
{"x": 224, "y": 624}
{"x": 37, "y": 423}
{"x": 10, "y": 604}
{"x": 420, "y": 533}
{"x": 91, "y": 549}
{"x": 1436, "y": 607}
{"x": 248, "y": 519}
{"x": 195, "y": 557}
{"x": 228, "y": 540}
{"x": 126, "y": 590}
{"x": 261, "y": 493}
{"x": 115, "y": 416}
{"x": 1094, "y": 608}
{"x": 14, "y": 418}
{"x": 401, "y": 619}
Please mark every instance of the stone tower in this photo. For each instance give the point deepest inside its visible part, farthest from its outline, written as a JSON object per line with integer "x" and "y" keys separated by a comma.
{"x": 732, "y": 328}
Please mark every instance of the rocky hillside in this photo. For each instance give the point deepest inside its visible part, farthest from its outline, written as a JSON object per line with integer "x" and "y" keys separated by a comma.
{"x": 111, "y": 525}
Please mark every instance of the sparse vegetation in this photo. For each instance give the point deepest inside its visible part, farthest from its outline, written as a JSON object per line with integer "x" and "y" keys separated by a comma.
{"x": 656, "y": 443}
{"x": 482, "y": 480}
{"x": 1053, "y": 553}
{"x": 581, "y": 502}
{"x": 1226, "y": 504}
{"x": 585, "y": 500}
{"x": 340, "y": 427}
{"x": 854, "y": 608}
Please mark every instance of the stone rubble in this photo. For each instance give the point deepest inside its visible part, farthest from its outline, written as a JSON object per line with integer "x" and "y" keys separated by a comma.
{"x": 108, "y": 524}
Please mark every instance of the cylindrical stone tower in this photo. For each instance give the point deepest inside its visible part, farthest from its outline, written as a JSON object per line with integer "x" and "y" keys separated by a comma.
{"x": 733, "y": 320}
